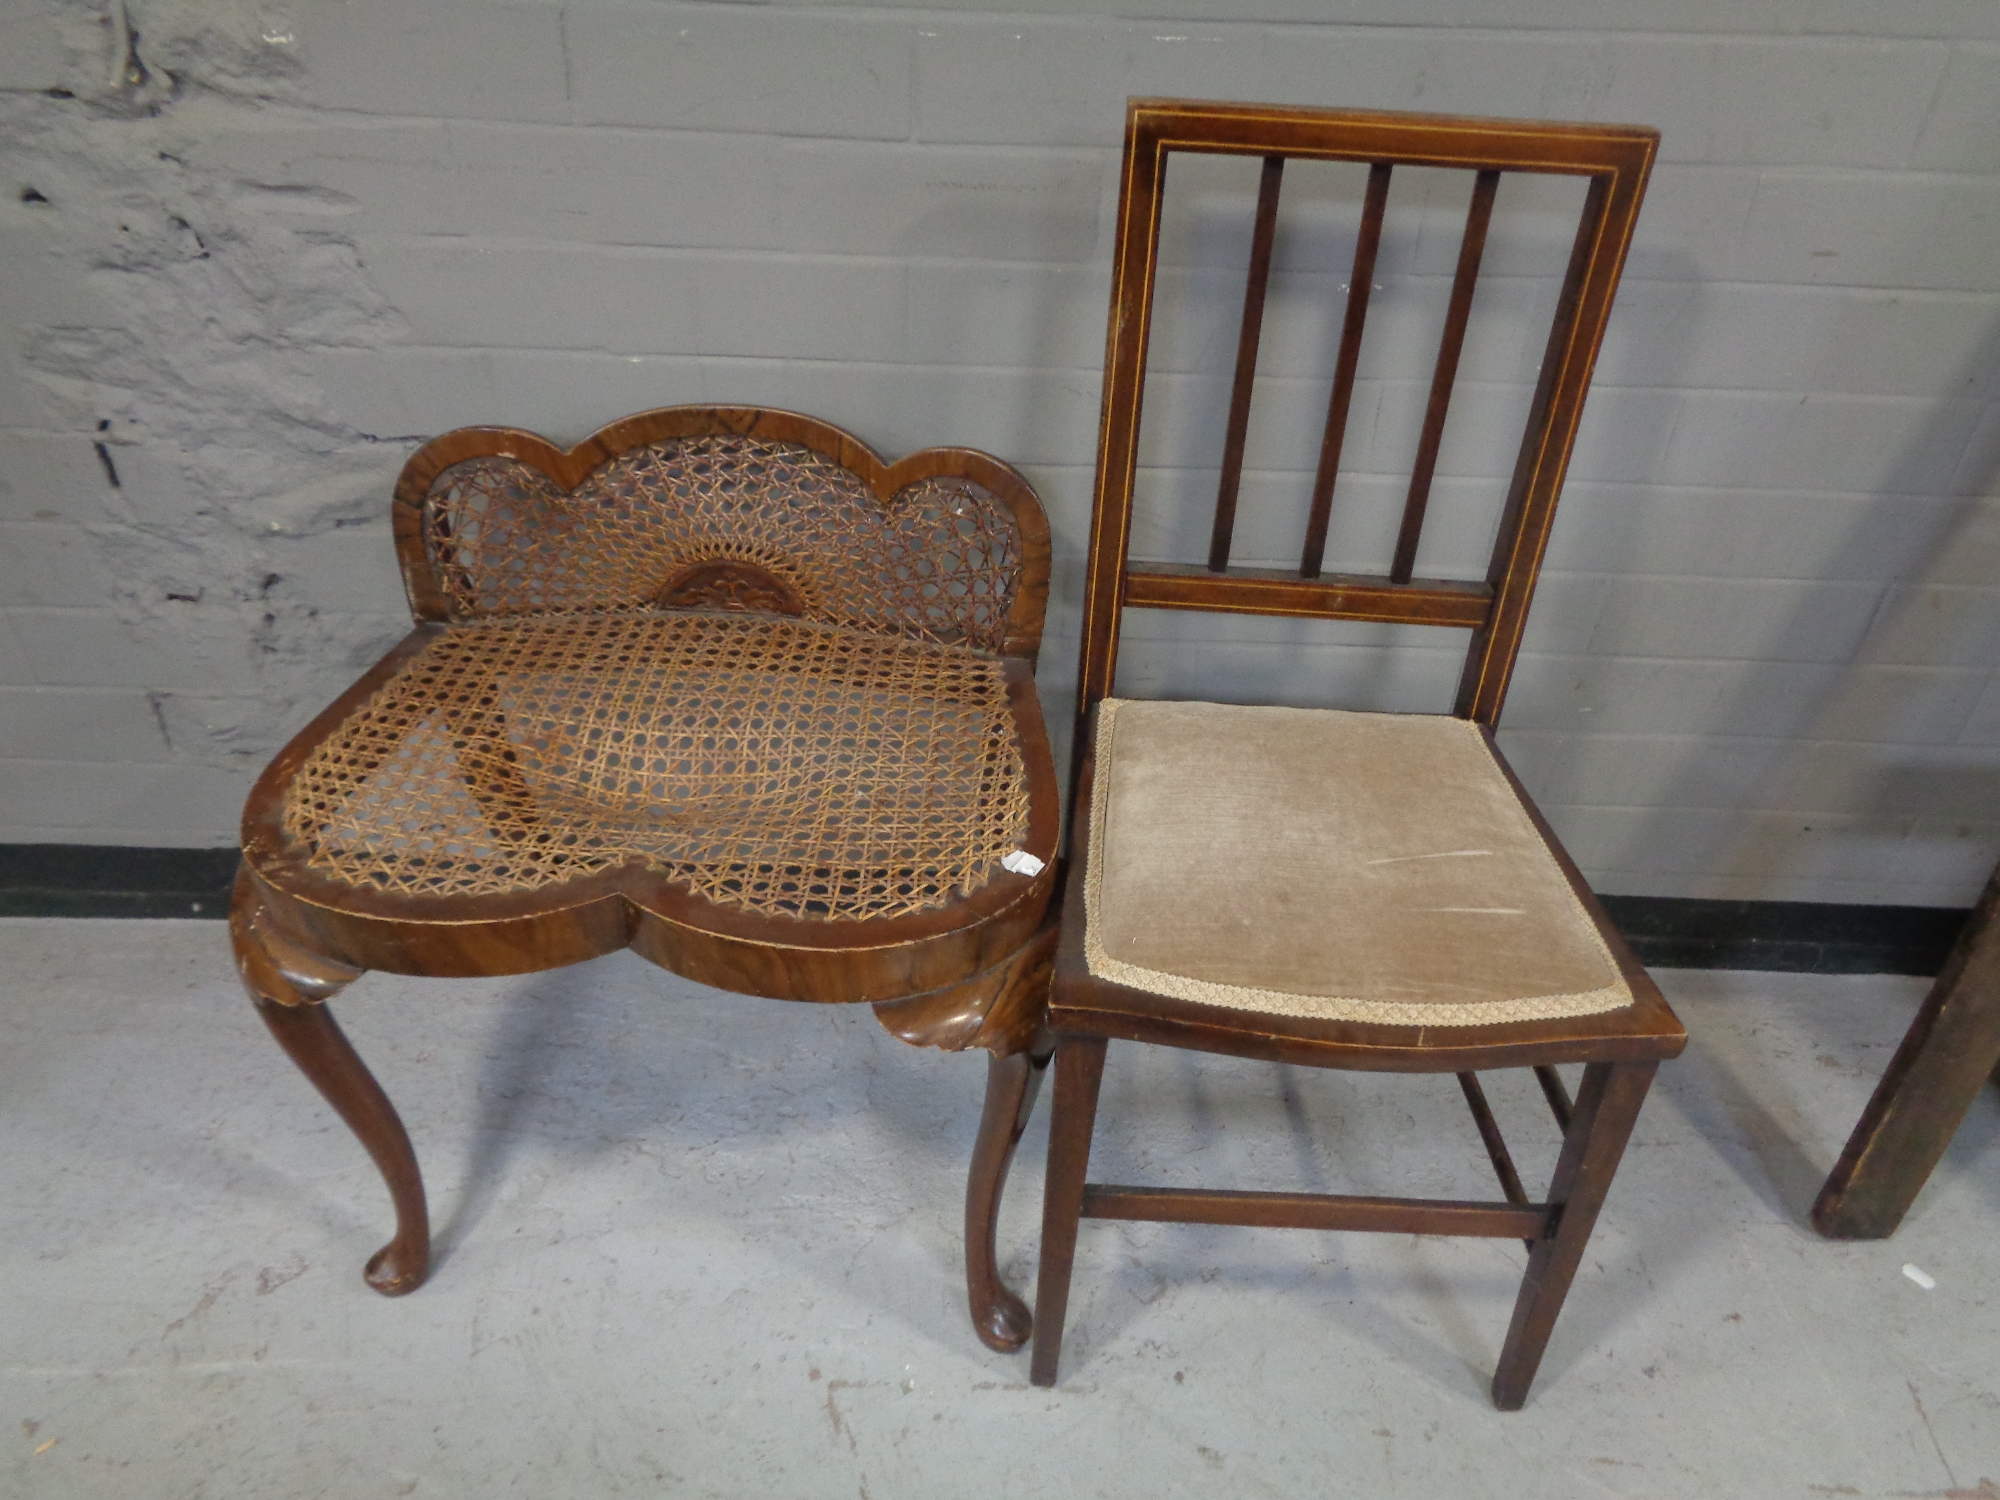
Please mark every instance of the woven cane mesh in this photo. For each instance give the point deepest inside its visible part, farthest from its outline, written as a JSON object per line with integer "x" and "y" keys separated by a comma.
{"x": 940, "y": 563}
{"x": 777, "y": 766}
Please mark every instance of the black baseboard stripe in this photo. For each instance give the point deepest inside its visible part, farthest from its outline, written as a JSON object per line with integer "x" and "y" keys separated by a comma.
{"x": 1797, "y": 937}
{"x": 109, "y": 880}
{"x": 1803, "y": 937}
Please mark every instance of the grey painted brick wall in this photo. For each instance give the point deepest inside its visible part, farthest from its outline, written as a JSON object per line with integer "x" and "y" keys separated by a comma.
{"x": 316, "y": 231}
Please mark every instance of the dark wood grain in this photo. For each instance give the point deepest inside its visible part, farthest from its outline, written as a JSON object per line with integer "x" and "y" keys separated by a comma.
{"x": 1607, "y": 1106}
{"x": 1489, "y": 1134}
{"x": 1611, "y": 208}
{"x": 1450, "y": 345}
{"x": 1126, "y": 342}
{"x": 1003, "y": 1008}
{"x": 290, "y": 989}
{"x": 1273, "y": 591}
{"x": 1946, "y": 1057}
{"x": 1361, "y": 282}
{"x": 1512, "y": 1220}
{"x": 1557, "y": 1094}
{"x": 1246, "y": 362}
{"x": 1079, "y": 1074}
{"x": 999, "y": 1317}
{"x": 1157, "y": 126}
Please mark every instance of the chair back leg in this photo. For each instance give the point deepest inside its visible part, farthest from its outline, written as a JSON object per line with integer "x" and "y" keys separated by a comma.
{"x": 1600, "y": 1122}
{"x": 1079, "y": 1071}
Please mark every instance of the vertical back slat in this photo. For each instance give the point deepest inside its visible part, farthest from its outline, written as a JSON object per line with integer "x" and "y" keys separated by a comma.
{"x": 1358, "y": 287}
{"x": 1470, "y": 249}
{"x": 1246, "y": 361}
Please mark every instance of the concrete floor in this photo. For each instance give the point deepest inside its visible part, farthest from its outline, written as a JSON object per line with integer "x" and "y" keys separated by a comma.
{"x": 707, "y": 1245}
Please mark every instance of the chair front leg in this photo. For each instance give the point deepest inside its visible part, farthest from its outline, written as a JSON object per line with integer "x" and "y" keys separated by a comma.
{"x": 1601, "y": 1122}
{"x": 1079, "y": 1071}
{"x": 289, "y": 985}
{"x": 1012, "y": 1081}
{"x": 1004, "y": 1009}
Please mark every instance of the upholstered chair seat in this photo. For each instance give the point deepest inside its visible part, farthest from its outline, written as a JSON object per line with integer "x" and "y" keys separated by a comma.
{"x": 1272, "y": 859}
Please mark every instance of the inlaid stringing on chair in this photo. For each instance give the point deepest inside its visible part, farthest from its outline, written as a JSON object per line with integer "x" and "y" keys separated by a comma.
{"x": 717, "y": 685}
{"x": 1344, "y": 890}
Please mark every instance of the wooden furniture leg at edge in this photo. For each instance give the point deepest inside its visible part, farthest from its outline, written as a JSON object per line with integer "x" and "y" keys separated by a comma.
{"x": 1950, "y": 1050}
{"x": 1601, "y": 1120}
{"x": 290, "y": 987}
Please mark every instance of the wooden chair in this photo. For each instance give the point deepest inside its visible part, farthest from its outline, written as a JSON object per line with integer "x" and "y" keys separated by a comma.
{"x": 1344, "y": 890}
{"x": 717, "y": 685}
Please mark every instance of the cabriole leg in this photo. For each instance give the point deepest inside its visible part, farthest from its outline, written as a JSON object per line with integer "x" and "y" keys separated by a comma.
{"x": 1012, "y": 1082}
{"x": 1601, "y": 1121}
{"x": 1002, "y": 1009}
{"x": 289, "y": 987}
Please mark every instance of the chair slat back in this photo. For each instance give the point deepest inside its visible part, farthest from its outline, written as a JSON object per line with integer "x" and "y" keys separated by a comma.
{"x": 1615, "y": 158}
{"x": 1246, "y": 362}
{"x": 1359, "y": 284}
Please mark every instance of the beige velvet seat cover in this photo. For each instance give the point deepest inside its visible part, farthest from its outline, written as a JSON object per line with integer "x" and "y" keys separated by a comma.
{"x": 1342, "y": 866}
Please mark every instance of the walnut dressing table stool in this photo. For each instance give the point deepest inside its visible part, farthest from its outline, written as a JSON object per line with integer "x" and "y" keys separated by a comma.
{"x": 717, "y": 685}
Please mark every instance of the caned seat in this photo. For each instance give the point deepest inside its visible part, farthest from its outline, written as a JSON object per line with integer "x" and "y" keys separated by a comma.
{"x": 777, "y": 767}
{"x": 721, "y": 686}
{"x": 1320, "y": 886}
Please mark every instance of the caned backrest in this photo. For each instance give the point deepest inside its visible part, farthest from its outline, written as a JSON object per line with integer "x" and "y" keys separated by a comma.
{"x": 732, "y": 508}
{"x": 1615, "y": 159}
